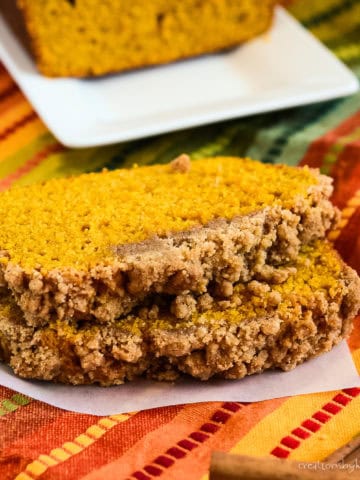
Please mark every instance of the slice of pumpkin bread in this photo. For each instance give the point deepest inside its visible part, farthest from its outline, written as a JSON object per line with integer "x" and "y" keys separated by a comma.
{"x": 259, "y": 327}
{"x": 97, "y": 245}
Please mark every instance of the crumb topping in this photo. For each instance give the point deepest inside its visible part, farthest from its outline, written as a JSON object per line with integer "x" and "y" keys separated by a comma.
{"x": 317, "y": 269}
{"x": 77, "y": 222}
{"x": 181, "y": 164}
{"x": 315, "y": 280}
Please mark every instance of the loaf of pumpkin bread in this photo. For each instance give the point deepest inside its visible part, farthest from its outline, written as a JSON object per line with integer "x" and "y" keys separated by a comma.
{"x": 92, "y": 37}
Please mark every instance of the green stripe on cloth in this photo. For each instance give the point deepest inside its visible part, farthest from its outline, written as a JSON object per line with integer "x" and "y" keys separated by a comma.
{"x": 348, "y": 38}
{"x": 12, "y": 404}
{"x": 287, "y": 138}
{"x": 305, "y": 10}
{"x": 329, "y": 15}
{"x": 303, "y": 118}
{"x": 13, "y": 162}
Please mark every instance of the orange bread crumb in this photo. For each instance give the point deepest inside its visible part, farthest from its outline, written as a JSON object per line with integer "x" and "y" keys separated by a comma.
{"x": 90, "y": 37}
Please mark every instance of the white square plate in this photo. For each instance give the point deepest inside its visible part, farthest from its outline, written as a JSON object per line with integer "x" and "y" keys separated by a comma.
{"x": 283, "y": 68}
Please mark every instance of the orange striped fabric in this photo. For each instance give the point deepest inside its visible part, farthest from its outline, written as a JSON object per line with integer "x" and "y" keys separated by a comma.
{"x": 38, "y": 441}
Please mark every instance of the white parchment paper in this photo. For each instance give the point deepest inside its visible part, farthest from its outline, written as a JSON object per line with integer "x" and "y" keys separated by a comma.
{"x": 331, "y": 371}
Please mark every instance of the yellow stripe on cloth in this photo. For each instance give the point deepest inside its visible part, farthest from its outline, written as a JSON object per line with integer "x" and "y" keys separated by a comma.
{"x": 10, "y": 118}
{"x": 356, "y": 359}
{"x": 20, "y": 138}
{"x": 69, "y": 449}
{"x": 348, "y": 52}
{"x": 339, "y": 430}
{"x": 269, "y": 431}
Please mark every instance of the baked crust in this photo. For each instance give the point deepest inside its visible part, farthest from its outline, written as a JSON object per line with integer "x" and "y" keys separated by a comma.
{"x": 288, "y": 325}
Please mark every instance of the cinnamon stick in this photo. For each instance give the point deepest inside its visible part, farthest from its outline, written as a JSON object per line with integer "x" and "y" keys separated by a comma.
{"x": 347, "y": 453}
{"x": 238, "y": 467}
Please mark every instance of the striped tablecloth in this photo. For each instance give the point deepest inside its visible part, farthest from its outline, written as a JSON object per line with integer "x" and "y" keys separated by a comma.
{"x": 40, "y": 441}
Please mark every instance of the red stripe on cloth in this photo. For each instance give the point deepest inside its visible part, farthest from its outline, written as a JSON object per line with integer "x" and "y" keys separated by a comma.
{"x": 187, "y": 444}
{"x": 176, "y": 452}
{"x": 219, "y": 416}
{"x": 348, "y": 242}
{"x": 23, "y": 421}
{"x": 108, "y": 448}
{"x": 346, "y": 174}
{"x": 38, "y": 429}
{"x": 321, "y": 417}
{"x": 353, "y": 392}
{"x": 153, "y": 471}
{"x": 10, "y": 90}
{"x": 191, "y": 459}
{"x": 30, "y": 164}
{"x": 340, "y": 398}
{"x": 12, "y": 465}
{"x": 232, "y": 406}
{"x": 199, "y": 437}
{"x": 209, "y": 427}
{"x": 332, "y": 408}
{"x": 311, "y": 425}
{"x": 290, "y": 442}
{"x": 3, "y": 69}
{"x": 280, "y": 452}
{"x": 60, "y": 426}
{"x": 317, "y": 150}
{"x": 301, "y": 433}
{"x": 141, "y": 476}
{"x": 354, "y": 340}
{"x": 12, "y": 102}
{"x": 324, "y": 415}
{"x": 29, "y": 117}
{"x": 164, "y": 461}
{"x": 4, "y": 391}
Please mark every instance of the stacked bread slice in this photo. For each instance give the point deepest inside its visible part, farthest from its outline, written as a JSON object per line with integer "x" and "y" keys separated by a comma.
{"x": 212, "y": 267}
